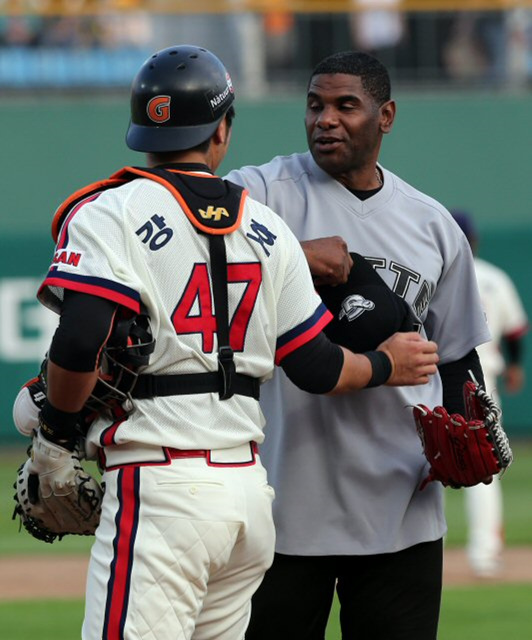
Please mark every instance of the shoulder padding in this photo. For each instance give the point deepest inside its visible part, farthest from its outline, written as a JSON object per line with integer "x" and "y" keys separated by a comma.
{"x": 213, "y": 205}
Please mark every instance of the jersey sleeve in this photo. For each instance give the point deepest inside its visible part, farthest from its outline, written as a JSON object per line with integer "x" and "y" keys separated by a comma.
{"x": 251, "y": 179}
{"x": 91, "y": 256}
{"x": 301, "y": 312}
{"x": 456, "y": 320}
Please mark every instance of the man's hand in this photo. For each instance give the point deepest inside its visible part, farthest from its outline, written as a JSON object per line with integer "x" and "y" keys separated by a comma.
{"x": 413, "y": 358}
{"x": 328, "y": 259}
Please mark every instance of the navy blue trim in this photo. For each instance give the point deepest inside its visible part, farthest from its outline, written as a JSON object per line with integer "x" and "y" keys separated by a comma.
{"x": 301, "y": 328}
{"x": 131, "y": 551}
{"x": 112, "y": 569}
{"x": 134, "y": 529}
{"x": 94, "y": 281}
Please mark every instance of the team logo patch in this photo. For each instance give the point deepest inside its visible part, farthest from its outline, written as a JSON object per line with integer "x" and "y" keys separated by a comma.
{"x": 158, "y": 109}
{"x": 213, "y": 213}
{"x": 354, "y": 306}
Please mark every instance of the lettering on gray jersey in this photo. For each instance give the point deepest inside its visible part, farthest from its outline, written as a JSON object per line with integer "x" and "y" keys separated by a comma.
{"x": 423, "y": 298}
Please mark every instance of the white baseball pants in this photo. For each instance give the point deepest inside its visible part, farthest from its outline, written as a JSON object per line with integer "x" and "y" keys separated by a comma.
{"x": 179, "y": 552}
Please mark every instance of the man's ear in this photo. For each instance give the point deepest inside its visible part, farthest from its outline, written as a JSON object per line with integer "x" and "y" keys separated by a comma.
{"x": 221, "y": 133}
{"x": 387, "y": 116}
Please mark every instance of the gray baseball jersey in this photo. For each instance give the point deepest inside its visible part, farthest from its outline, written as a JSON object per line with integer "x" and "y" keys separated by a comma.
{"x": 347, "y": 469}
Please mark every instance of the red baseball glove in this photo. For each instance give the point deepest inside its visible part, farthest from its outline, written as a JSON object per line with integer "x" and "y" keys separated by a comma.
{"x": 463, "y": 452}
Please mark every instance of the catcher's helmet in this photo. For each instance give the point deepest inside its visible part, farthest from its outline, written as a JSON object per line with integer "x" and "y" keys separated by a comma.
{"x": 129, "y": 347}
{"x": 178, "y": 98}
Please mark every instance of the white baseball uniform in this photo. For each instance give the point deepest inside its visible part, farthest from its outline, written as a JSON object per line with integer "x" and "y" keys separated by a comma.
{"x": 184, "y": 542}
{"x": 347, "y": 469}
{"x": 484, "y": 503}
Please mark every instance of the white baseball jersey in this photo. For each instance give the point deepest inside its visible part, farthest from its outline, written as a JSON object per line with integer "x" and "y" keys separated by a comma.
{"x": 134, "y": 243}
{"x": 347, "y": 469}
{"x": 484, "y": 503}
{"x": 505, "y": 315}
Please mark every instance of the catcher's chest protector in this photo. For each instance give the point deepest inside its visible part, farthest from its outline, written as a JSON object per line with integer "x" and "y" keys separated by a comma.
{"x": 214, "y": 206}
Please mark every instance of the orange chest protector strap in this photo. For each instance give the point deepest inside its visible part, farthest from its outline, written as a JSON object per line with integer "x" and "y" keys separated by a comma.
{"x": 214, "y": 206}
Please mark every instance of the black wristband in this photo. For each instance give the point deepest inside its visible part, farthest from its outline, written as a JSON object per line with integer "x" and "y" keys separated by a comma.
{"x": 59, "y": 426}
{"x": 381, "y": 366}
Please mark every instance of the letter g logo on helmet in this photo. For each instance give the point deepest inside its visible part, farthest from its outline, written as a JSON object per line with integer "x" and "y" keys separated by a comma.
{"x": 158, "y": 109}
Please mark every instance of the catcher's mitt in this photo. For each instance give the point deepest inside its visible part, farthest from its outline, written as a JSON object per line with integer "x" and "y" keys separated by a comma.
{"x": 54, "y": 495}
{"x": 463, "y": 452}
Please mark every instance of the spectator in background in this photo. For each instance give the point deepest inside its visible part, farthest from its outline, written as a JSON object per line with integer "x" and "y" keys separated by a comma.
{"x": 19, "y": 31}
{"x": 490, "y": 46}
{"x": 377, "y": 27}
{"x": 280, "y": 40}
{"x": 502, "y": 357}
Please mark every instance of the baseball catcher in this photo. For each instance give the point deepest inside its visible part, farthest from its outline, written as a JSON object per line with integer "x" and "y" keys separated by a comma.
{"x": 464, "y": 451}
{"x": 54, "y": 495}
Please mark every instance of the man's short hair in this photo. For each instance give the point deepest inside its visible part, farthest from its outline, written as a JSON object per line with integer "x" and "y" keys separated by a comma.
{"x": 373, "y": 74}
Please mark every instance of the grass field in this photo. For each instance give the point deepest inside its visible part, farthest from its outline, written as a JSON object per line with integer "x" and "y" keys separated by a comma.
{"x": 517, "y": 489}
{"x": 479, "y": 613}
{"x": 473, "y": 613}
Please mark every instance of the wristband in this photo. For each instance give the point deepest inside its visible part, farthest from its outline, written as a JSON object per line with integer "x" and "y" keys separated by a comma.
{"x": 59, "y": 426}
{"x": 381, "y": 368}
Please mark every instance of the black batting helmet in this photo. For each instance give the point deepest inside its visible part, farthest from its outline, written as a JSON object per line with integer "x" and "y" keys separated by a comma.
{"x": 178, "y": 98}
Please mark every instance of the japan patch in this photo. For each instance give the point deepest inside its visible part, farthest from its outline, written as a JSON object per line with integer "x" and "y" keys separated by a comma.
{"x": 71, "y": 258}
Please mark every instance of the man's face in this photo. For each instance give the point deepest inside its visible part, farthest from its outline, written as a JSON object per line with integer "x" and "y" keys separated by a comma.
{"x": 344, "y": 124}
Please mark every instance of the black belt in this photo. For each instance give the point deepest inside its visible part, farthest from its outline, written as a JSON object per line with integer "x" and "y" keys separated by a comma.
{"x": 150, "y": 386}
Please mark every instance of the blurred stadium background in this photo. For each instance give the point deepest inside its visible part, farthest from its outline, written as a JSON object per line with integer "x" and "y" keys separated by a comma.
{"x": 461, "y": 73}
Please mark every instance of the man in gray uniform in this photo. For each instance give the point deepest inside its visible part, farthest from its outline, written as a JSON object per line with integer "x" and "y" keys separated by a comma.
{"x": 349, "y": 512}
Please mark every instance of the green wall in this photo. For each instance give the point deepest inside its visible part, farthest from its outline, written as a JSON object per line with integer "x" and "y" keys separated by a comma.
{"x": 469, "y": 151}
{"x": 472, "y": 151}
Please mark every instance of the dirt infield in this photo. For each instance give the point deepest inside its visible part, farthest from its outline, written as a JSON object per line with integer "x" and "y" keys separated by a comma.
{"x": 64, "y": 577}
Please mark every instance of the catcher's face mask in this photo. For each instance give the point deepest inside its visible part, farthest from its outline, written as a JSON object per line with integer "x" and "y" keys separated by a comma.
{"x": 128, "y": 349}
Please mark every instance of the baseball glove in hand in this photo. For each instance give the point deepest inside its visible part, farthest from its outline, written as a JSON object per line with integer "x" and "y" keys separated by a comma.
{"x": 463, "y": 452}
{"x": 54, "y": 495}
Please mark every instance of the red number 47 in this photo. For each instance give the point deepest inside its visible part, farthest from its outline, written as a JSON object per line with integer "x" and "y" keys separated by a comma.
{"x": 198, "y": 289}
